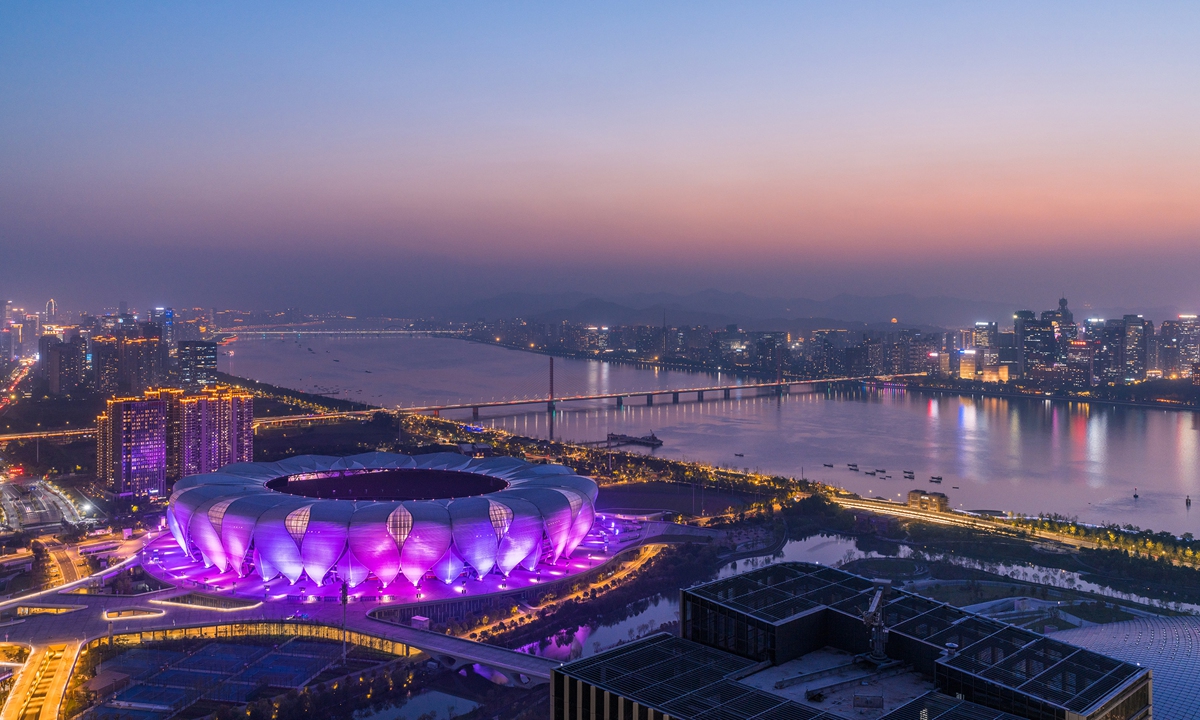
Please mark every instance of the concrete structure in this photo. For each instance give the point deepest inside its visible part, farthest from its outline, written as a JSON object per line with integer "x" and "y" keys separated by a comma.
{"x": 798, "y": 640}
{"x": 78, "y": 621}
{"x": 197, "y": 363}
{"x": 131, "y": 447}
{"x": 382, "y": 515}
{"x": 931, "y": 501}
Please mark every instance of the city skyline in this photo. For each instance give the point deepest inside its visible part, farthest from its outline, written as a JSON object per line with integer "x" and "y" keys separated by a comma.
{"x": 409, "y": 157}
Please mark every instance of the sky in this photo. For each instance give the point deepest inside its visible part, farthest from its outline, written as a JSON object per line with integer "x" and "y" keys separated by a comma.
{"x": 401, "y": 157}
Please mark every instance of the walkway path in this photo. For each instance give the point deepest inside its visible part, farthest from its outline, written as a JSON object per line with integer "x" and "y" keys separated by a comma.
{"x": 56, "y": 638}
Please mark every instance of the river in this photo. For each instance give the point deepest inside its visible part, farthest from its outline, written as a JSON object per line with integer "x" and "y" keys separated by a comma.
{"x": 1024, "y": 456}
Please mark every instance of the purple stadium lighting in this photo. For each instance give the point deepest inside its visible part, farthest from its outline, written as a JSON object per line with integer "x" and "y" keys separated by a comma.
{"x": 382, "y": 516}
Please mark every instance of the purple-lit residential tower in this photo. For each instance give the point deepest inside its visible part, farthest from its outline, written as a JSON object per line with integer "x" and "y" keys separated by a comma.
{"x": 382, "y": 515}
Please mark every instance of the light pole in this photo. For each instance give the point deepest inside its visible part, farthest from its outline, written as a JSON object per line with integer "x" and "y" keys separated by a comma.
{"x": 345, "y": 598}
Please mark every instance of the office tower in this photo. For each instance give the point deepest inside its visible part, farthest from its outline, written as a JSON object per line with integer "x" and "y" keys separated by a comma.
{"x": 1170, "y": 356}
{"x": 165, "y": 319}
{"x": 106, "y": 364}
{"x": 66, "y": 364}
{"x": 31, "y": 329}
{"x": 1189, "y": 340}
{"x": 1020, "y": 319}
{"x": 1080, "y": 363}
{"x": 984, "y": 335}
{"x": 6, "y": 347}
{"x": 45, "y": 342}
{"x": 1108, "y": 340}
{"x": 131, "y": 447}
{"x": 197, "y": 363}
{"x": 1135, "y": 348}
{"x": 1038, "y": 343}
{"x": 986, "y": 340}
{"x": 966, "y": 364}
{"x": 206, "y": 430}
{"x": 123, "y": 308}
{"x": 1062, "y": 320}
{"x": 51, "y": 310}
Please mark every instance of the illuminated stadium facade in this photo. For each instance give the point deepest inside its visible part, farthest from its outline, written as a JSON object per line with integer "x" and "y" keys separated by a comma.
{"x": 381, "y": 516}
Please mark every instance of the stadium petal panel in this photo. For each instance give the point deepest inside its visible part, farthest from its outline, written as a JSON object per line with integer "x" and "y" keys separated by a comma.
{"x": 381, "y": 515}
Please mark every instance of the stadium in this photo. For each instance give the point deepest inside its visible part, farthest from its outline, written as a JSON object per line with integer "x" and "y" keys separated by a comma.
{"x": 387, "y": 518}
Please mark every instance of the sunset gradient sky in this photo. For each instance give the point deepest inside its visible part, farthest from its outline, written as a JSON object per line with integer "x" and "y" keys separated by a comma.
{"x": 226, "y": 153}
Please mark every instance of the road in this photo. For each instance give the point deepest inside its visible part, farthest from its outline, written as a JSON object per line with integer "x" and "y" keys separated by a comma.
{"x": 33, "y": 505}
{"x": 57, "y": 638}
{"x": 886, "y": 507}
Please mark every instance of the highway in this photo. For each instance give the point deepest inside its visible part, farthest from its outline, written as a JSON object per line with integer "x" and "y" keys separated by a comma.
{"x": 32, "y": 505}
{"x": 887, "y": 507}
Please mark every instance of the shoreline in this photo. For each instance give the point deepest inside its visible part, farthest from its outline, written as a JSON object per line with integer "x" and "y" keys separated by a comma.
{"x": 1050, "y": 398}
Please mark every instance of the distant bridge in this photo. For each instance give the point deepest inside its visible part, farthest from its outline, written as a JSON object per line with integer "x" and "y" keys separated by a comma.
{"x": 382, "y": 331}
{"x": 776, "y": 387}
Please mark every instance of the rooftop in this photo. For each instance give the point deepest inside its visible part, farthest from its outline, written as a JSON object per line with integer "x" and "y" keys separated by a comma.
{"x": 1051, "y": 671}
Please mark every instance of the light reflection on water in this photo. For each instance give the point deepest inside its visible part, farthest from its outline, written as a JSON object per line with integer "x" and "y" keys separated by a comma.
{"x": 1026, "y": 456}
{"x": 432, "y": 704}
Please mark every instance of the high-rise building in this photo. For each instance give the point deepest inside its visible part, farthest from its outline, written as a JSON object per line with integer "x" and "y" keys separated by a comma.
{"x": 1065, "y": 329}
{"x": 966, "y": 364}
{"x": 1039, "y": 345}
{"x": 197, "y": 363}
{"x": 1189, "y": 340}
{"x": 1136, "y": 345}
{"x": 216, "y": 429}
{"x": 1080, "y": 363}
{"x": 130, "y": 360}
{"x": 1020, "y": 319}
{"x": 66, "y": 363}
{"x": 165, "y": 319}
{"x": 206, "y": 430}
{"x": 131, "y": 447}
{"x": 45, "y": 342}
{"x": 51, "y": 310}
{"x": 141, "y": 365}
{"x": 106, "y": 364}
{"x": 1171, "y": 359}
{"x": 6, "y": 348}
{"x": 984, "y": 335}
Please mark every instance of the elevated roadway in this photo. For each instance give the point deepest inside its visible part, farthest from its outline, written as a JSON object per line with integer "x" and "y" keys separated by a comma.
{"x": 701, "y": 393}
{"x": 57, "y": 637}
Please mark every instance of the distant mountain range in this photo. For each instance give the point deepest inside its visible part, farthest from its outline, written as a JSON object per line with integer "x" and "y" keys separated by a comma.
{"x": 716, "y": 308}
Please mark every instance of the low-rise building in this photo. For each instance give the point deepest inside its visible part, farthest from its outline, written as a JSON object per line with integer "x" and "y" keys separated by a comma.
{"x": 931, "y": 501}
{"x": 799, "y": 641}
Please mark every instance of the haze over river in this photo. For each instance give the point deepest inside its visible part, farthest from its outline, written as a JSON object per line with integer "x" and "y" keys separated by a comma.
{"x": 1026, "y": 456}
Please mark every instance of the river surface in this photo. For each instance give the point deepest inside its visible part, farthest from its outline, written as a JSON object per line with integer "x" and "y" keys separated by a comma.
{"x": 1024, "y": 456}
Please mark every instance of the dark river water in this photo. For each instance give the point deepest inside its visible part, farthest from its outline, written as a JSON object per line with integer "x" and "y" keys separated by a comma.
{"x": 1025, "y": 456}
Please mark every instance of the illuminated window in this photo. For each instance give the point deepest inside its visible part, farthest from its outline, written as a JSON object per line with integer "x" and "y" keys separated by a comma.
{"x": 399, "y": 524}
{"x": 501, "y": 517}
{"x": 216, "y": 513}
{"x": 297, "y": 522}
